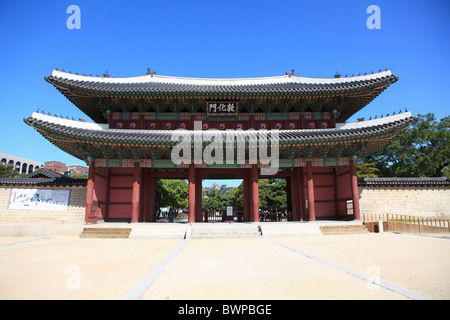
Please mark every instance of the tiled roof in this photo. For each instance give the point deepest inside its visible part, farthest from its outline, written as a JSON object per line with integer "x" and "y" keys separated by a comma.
{"x": 411, "y": 181}
{"x": 95, "y": 95}
{"x": 43, "y": 177}
{"x": 69, "y": 137}
{"x": 284, "y": 84}
{"x": 166, "y": 135}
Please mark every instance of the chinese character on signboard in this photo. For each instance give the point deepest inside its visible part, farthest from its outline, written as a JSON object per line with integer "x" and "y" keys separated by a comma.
{"x": 221, "y": 108}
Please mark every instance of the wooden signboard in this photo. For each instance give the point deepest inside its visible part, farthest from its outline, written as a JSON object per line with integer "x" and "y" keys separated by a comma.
{"x": 221, "y": 108}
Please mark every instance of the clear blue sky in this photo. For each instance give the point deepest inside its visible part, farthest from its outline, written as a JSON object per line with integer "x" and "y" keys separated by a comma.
{"x": 216, "y": 39}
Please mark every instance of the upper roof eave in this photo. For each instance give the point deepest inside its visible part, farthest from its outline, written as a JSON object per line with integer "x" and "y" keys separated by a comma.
{"x": 95, "y": 95}
{"x": 219, "y": 81}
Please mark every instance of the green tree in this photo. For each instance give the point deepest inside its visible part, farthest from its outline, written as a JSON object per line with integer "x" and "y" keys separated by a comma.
{"x": 367, "y": 169}
{"x": 8, "y": 171}
{"x": 215, "y": 200}
{"x": 272, "y": 194}
{"x": 79, "y": 176}
{"x": 174, "y": 193}
{"x": 237, "y": 196}
{"x": 423, "y": 150}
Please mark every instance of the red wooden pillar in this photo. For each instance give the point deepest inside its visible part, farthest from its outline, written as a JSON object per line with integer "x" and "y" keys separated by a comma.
{"x": 108, "y": 193}
{"x": 294, "y": 197}
{"x": 310, "y": 186}
{"x": 191, "y": 199}
{"x": 355, "y": 193}
{"x": 301, "y": 193}
{"x": 88, "y": 216}
{"x": 198, "y": 196}
{"x": 255, "y": 194}
{"x": 143, "y": 196}
{"x": 247, "y": 196}
{"x": 135, "y": 198}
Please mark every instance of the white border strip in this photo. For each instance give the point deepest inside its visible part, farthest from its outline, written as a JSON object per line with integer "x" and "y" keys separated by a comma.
{"x": 381, "y": 283}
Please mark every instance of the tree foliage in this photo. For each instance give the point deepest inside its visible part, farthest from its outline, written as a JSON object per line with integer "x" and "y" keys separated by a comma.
{"x": 173, "y": 193}
{"x": 272, "y": 194}
{"x": 79, "y": 176}
{"x": 216, "y": 200}
{"x": 423, "y": 150}
{"x": 8, "y": 171}
{"x": 367, "y": 169}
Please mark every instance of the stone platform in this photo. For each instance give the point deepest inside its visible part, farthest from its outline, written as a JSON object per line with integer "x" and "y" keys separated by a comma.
{"x": 211, "y": 230}
{"x": 176, "y": 230}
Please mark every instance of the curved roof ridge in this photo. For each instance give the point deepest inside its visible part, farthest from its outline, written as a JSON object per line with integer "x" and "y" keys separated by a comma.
{"x": 219, "y": 81}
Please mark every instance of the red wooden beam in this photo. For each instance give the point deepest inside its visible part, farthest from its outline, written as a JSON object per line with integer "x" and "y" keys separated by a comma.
{"x": 247, "y": 195}
{"x": 294, "y": 197}
{"x": 310, "y": 185}
{"x": 301, "y": 193}
{"x": 191, "y": 199}
{"x": 255, "y": 194}
{"x": 90, "y": 193}
{"x": 198, "y": 196}
{"x": 355, "y": 193}
{"x": 135, "y": 201}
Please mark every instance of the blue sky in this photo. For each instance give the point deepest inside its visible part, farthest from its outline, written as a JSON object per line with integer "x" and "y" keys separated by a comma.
{"x": 216, "y": 39}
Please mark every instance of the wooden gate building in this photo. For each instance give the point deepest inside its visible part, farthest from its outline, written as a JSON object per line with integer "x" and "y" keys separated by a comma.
{"x": 140, "y": 123}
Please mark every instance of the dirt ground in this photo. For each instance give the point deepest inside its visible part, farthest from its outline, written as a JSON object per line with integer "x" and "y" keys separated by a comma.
{"x": 66, "y": 267}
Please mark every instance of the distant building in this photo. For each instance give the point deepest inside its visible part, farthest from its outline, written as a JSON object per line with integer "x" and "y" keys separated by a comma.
{"x": 61, "y": 168}
{"x": 76, "y": 169}
{"x": 22, "y": 165}
{"x": 55, "y": 166}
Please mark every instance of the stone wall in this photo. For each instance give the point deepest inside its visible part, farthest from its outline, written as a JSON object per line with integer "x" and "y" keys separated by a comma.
{"x": 74, "y": 214}
{"x": 424, "y": 201}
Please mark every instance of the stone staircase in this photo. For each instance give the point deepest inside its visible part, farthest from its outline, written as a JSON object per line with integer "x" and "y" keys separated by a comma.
{"x": 122, "y": 233}
{"x": 211, "y": 231}
{"x": 345, "y": 229}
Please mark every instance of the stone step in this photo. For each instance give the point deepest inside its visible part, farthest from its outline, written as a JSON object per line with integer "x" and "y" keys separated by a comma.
{"x": 106, "y": 233}
{"x": 108, "y": 230}
{"x": 350, "y": 229}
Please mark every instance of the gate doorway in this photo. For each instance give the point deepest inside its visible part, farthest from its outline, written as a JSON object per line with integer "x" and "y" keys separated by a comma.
{"x": 274, "y": 199}
{"x": 171, "y": 200}
{"x": 218, "y": 195}
{"x": 222, "y": 200}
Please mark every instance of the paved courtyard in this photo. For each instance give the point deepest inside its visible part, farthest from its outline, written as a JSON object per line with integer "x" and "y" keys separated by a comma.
{"x": 303, "y": 267}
